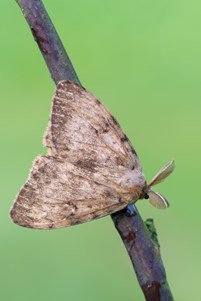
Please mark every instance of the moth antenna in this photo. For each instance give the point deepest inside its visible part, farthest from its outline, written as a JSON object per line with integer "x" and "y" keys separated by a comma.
{"x": 157, "y": 200}
{"x": 165, "y": 171}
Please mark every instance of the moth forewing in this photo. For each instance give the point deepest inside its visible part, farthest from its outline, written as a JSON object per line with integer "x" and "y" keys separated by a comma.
{"x": 157, "y": 200}
{"x": 163, "y": 173}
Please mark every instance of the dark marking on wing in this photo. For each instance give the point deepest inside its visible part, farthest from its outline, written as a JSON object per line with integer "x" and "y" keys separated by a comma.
{"x": 133, "y": 151}
{"x": 98, "y": 102}
{"x": 86, "y": 164}
{"x": 125, "y": 138}
{"x": 114, "y": 119}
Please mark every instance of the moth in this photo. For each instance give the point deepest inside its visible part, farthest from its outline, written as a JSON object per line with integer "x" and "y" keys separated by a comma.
{"x": 91, "y": 168}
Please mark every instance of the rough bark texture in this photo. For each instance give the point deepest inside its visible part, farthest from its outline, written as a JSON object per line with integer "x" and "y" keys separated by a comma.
{"x": 139, "y": 238}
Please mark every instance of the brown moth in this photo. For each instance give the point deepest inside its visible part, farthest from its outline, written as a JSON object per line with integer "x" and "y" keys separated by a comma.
{"x": 90, "y": 170}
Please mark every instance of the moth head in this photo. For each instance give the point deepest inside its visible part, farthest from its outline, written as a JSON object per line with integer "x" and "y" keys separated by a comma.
{"x": 133, "y": 182}
{"x": 155, "y": 198}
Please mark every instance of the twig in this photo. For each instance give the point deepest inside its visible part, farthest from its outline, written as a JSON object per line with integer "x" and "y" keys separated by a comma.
{"x": 139, "y": 238}
{"x": 50, "y": 45}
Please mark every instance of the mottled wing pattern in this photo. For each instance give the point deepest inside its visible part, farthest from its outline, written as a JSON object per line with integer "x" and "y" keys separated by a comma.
{"x": 91, "y": 168}
{"x": 82, "y": 129}
{"x": 59, "y": 194}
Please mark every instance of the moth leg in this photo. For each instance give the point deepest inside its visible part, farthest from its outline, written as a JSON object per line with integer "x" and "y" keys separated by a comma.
{"x": 130, "y": 210}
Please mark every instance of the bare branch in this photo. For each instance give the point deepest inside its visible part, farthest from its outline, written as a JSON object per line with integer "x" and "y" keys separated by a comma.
{"x": 50, "y": 45}
{"x": 139, "y": 238}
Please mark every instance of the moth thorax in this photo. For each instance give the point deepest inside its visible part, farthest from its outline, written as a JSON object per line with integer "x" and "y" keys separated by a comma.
{"x": 134, "y": 182}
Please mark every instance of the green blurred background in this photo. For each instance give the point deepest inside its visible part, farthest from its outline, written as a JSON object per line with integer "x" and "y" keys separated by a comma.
{"x": 143, "y": 59}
